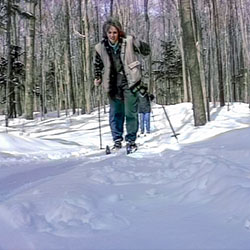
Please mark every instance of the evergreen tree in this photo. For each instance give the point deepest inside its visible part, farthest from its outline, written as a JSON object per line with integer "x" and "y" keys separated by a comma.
{"x": 168, "y": 74}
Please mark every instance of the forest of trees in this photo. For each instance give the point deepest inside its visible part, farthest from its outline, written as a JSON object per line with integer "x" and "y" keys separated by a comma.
{"x": 199, "y": 52}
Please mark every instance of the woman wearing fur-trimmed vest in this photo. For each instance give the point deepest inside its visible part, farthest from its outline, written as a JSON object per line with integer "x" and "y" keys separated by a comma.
{"x": 117, "y": 68}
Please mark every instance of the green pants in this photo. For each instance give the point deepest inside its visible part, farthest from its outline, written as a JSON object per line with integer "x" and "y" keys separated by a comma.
{"x": 121, "y": 111}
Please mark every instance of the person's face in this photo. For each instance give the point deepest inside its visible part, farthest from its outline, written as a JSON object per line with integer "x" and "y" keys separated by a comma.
{"x": 142, "y": 91}
{"x": 113, "y": 34}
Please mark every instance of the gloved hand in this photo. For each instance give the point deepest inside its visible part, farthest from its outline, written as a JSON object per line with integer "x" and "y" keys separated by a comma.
{"x": 152, "y": 97}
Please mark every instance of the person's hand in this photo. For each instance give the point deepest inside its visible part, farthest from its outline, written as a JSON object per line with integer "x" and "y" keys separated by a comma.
{"x": 97, "y": 82}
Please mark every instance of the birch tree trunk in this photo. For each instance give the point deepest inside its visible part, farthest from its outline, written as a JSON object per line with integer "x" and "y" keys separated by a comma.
{"x": 89, "y": 80}
{"x": 68, "y": 47}
{"x": 30, "y": 63}
{"x": 82, "y": 63}
{"x": 97, "y": 25}
{"x": 42, "y": 77}
{"x": 192, "y": 63}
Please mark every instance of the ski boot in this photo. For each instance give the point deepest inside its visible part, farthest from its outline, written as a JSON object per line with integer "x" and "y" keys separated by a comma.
{"x": 131, "y": 147}
{"x": 117, "y": 145}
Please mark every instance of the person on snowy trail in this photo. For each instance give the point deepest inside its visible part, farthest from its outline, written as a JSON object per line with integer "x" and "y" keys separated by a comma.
{"x": 117, "y": 68}
{"x": 145, "y": 109}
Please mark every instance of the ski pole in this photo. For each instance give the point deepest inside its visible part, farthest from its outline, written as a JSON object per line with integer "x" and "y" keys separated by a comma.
{"x": 99, "y": 116}
{"x": 174, "y": 134}
{"x": 152, "y": 114}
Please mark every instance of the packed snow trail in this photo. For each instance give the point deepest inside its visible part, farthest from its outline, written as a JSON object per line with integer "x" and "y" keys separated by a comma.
{"x": 34, "y": 174}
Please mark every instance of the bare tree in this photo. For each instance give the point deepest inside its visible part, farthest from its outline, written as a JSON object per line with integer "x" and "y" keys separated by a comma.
{"x": 69, "y": 57}
{"x": 30, "y": 61}
{"x": 246, "y": 57}
{"x": 218, "y": 53}
{"x": 82, "y": 61}
{"x": 111, "y": 7}
{"x": 190, "y": 53}
{"x": 42, "y": 76}
{"x": 8, "y": 41}
{"x": 147, "y": 21}
{"x": 89, "y": 80}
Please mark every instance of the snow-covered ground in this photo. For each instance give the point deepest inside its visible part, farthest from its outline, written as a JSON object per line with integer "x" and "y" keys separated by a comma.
{"x": 58, "y": 190}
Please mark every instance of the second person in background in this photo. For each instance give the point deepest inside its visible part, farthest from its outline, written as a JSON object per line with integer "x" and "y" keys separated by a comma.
{"x": 145, "y": 109}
